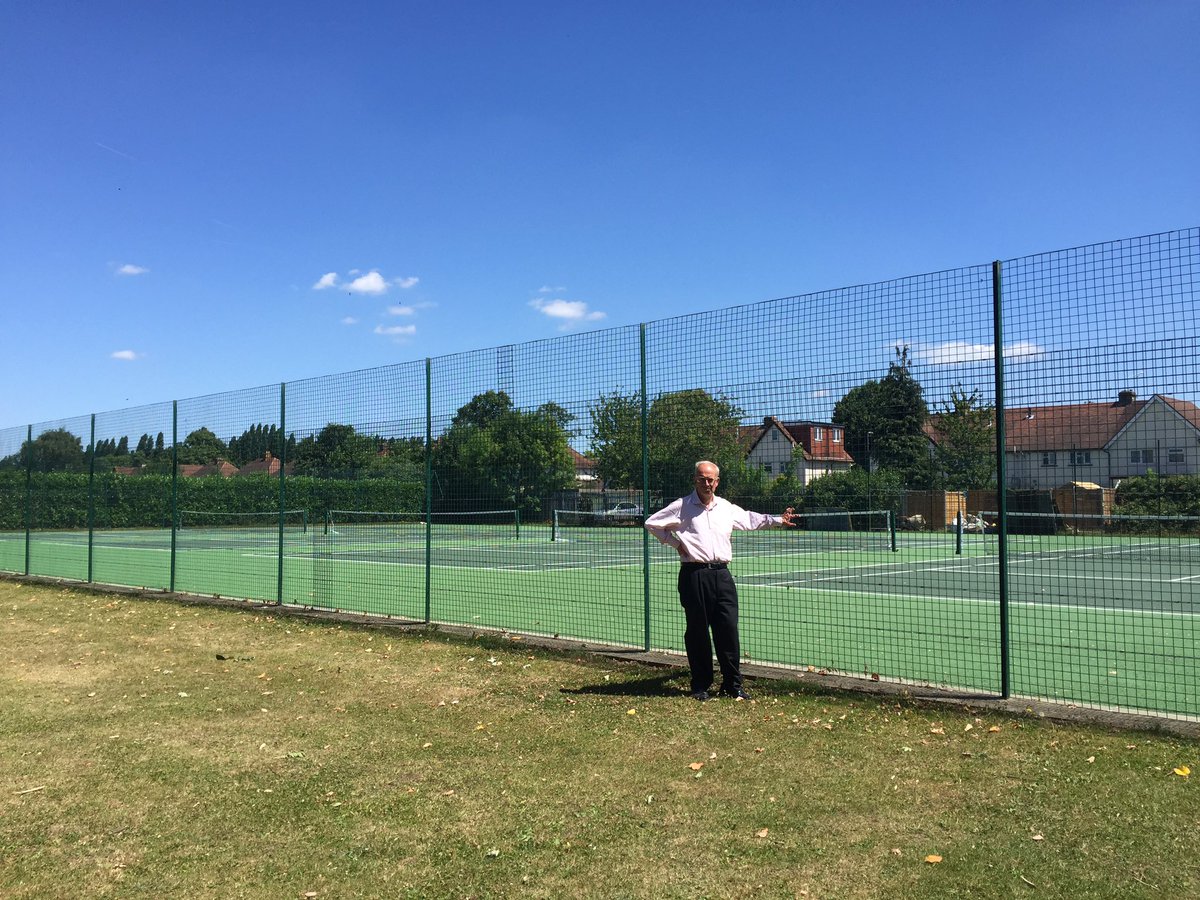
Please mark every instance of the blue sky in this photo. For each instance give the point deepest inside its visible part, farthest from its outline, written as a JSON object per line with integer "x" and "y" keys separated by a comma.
{"x": 209, "y": 196}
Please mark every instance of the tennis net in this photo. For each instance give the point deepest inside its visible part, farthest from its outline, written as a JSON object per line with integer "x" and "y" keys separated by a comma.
{"x": 1169, "y": 531}
{"x": 242, "y": 523}
{"x": 824, "y": 530}
{"x": 407, "y": 528}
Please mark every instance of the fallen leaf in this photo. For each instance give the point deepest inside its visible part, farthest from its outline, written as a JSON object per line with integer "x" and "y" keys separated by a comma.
{"x": 896, "y": 851}
{"x": 933, "y": 859}
{"x": 762, "y": 833}
{"x": 994, "y": 729}
{"x": 1091, "y": 759}
{"x": 1182, "y": 771}
{"x": 696, "y": 766}
{"x": 1037, "y": 837}
{"x": 937, "y": 730}
{"x": 632, "y": 712}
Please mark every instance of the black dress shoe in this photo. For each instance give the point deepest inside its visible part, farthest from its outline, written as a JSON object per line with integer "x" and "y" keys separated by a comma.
{"x": 736, "y": 694}
{"x": 700, "y": 695}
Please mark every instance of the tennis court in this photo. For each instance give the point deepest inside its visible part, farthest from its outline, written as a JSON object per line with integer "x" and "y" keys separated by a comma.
{"x": 1109, "y": 620}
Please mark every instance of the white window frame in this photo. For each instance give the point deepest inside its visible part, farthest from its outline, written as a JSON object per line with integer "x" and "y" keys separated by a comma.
{"x": 818, "y": 433}
{"x": 1176, "y": 455}
{"x": 1081, "y": 457}
{"x": 1049, "y": 459}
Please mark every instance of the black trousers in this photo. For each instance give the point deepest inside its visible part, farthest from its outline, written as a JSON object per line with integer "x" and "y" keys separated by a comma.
{"x": 710, "y": 602}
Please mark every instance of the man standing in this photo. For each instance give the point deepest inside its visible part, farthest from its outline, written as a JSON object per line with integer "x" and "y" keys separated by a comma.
{"x": 699, "y": 527}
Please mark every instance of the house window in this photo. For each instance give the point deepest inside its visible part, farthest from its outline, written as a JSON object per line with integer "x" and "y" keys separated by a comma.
{"x": 1081, "y": 457}
{"x": 774, "y": 435}
{"x": 818, "y": 434}
{"x": 1175, "y": 455}
{"x": 837, "y": 435}
{"x": 1050, "y": 459}
{"x": 1141, "y": 456}
{"x": 769, "y": 468}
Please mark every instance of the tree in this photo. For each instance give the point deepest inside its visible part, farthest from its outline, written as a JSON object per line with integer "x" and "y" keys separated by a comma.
{"x": 494, "y": 453}
{"x": 683, "y": 427}
{"x": 56, "y": 450}
{"x": 883, "y": 422}
{"x": 966, "y": 447}
{"x": 337, "y": 451}
{"x": 202, "y": 447}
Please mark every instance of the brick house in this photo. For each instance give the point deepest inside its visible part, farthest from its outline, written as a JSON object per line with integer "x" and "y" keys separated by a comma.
{"x": 806, "y": 449}
{"x": 1101, "y": 443}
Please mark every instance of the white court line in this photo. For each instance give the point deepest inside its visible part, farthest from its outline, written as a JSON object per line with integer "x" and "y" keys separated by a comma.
{"x": 1033, "y": 604}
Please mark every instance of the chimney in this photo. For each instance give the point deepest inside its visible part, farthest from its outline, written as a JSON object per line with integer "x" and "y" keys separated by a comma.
{"x": 1125, "y": 398}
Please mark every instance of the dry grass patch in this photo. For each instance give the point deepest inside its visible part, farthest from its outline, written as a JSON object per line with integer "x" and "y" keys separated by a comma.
{"x": 160, "y": 749}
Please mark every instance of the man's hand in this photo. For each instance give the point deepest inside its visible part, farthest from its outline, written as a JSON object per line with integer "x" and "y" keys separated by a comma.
{"x": 789, "y": 516}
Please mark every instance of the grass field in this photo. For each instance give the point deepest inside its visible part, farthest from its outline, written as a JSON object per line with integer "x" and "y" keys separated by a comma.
{"x": 157, "y": 749}
{"x": 1113, "y": 623}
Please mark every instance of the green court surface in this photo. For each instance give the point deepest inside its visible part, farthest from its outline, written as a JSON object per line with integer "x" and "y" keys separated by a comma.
{"x": 1098, "y": 620}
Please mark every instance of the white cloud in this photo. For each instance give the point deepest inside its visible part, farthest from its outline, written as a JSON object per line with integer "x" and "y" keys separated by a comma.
{"x": 126, "y": 355}
{"x": 129, "y": 269}
{"x": 546, "y": 289}
{"x": 401, "y": 310}
{"x": 371, "y": 283}
{"x": 569, "y": 312}
{"x": 349, "y": 320}
{"x": 955, "y": 352}
{"x": 396, "y": 330}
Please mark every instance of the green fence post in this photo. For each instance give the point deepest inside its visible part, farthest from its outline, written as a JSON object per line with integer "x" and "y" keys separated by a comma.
{"x": 645, "y": 493}
{"x": 428, "y": 488}
{"x": 1001, "y": 490}
{"x": 91, "y": 496}
{"x": 28, "y": 491}
{"x": 174, "y": 485}
{"x": 282, "y": 485}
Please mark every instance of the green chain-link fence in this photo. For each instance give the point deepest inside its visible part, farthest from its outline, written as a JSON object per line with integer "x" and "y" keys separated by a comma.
{"x": 504, "y": 489}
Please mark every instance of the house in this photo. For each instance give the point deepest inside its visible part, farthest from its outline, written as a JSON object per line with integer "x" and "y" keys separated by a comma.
{"x": 1047, "y": 446}
{"x": 268, "y": 465}
{"x": 807, "y": 450}
{"x": 585, "y": 467}
{"x": 221, "y": 468}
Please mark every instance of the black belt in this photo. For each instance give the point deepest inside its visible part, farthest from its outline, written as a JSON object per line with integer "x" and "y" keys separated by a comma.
{"x": 700, "y": 565}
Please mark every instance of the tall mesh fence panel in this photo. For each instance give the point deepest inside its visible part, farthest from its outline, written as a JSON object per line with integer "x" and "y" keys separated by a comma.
{"x": 1102, "y": 454}
{"x": 358, "y": 468}
{"x": 131, "y": 497}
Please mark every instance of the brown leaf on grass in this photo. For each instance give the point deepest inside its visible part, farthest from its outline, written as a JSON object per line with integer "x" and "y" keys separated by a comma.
{"x": 762, "y": 833}
{"x": 696, "y": 766}
{"x": 933, "y": 859}
{"x": 937, "y": 729}
{"x": 896, "y": 851}
{"x": 994, "y": 729}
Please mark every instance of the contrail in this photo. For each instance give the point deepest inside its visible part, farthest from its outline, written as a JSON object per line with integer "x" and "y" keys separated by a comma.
{"x": 111, "y": 150}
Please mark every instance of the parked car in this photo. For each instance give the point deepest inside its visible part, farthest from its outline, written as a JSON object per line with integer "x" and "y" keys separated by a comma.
{"x": 624, "y": 510}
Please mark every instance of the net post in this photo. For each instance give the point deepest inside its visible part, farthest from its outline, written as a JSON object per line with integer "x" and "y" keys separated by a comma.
{"x": 958, "y": 533}
{"x": 554, "y": 526}
{"x": 517, "y": 521}
{"x": 891, "y": 526}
